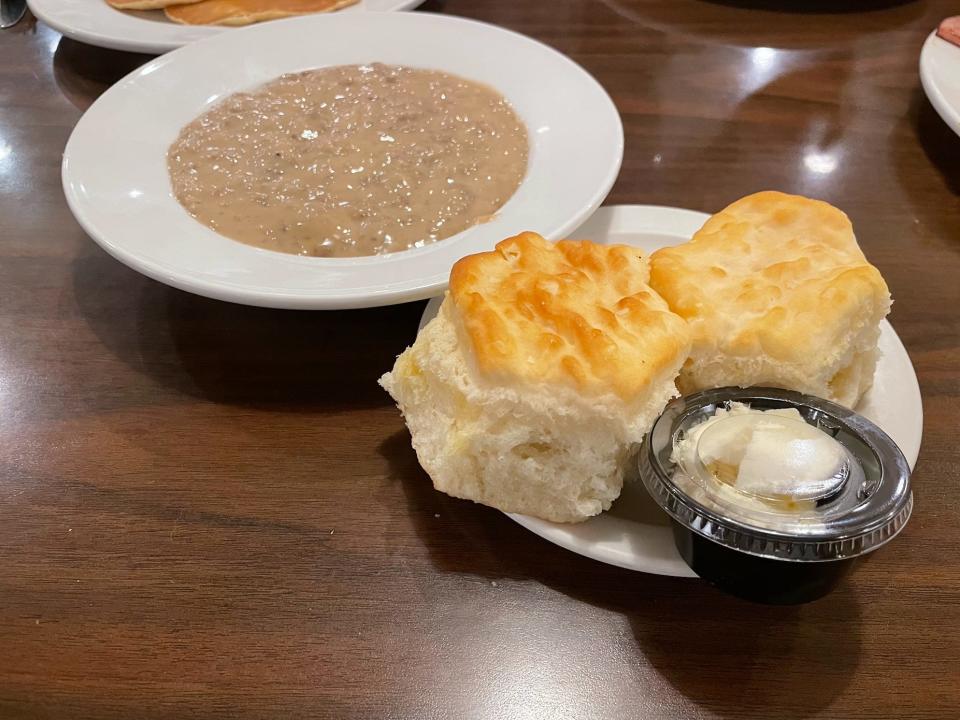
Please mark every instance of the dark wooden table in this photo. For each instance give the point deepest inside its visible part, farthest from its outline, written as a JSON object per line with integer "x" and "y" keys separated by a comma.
{"x": 209, "y": 510}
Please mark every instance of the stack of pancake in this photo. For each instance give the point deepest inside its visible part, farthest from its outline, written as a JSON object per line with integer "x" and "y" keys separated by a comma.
{"x": 230, "y": 12}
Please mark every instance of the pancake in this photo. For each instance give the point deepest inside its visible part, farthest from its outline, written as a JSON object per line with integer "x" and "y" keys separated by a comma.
{"x": 245, "y": 12}
{"x": 146, "y": 4}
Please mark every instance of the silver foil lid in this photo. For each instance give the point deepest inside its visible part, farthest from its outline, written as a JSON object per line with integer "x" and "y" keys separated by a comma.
{"x": 863, "y": 503}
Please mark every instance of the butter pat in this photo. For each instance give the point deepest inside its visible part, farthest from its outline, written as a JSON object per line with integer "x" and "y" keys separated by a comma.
{"x": 768, "y": 455}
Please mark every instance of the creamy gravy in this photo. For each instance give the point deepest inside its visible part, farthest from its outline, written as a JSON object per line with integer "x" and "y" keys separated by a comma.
{"x": 350, "y": 160}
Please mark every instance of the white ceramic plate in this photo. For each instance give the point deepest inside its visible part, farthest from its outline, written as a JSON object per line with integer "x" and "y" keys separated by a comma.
{"x": 96, "y": 23}
{"x": 940, "y": 75}
{"x": 116, "y": 182}
{"x": 635, "y": 533}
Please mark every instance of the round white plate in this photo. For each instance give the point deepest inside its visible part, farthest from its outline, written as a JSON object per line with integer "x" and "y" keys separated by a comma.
{"x": 940, "y": 76}
{"x": 116, "y": 181}
{"x": 635, "y": 533}
{"x": 96, "y": 23}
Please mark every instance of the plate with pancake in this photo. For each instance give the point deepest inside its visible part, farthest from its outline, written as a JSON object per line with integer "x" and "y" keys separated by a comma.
{"x": 940, "y": 74}
{"x": 157, "y": 26}
{"x": 635, "y": 533}
{"x": 373, "y": 156}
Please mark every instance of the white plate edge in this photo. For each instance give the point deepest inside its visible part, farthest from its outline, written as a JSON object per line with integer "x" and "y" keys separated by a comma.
{"x": 949, "y": 114}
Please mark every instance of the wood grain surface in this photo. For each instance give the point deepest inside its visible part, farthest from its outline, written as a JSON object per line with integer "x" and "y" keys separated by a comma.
{"x": 209, "y": 510}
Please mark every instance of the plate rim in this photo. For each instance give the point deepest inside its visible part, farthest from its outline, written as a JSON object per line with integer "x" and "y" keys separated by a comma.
{"x": 641, "y": 218}
{"x": 928, "y": 79}
{"x": 413, "y": 287}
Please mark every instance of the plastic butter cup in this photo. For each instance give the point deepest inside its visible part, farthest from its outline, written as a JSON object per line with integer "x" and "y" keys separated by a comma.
{"x": 774, "y": 506}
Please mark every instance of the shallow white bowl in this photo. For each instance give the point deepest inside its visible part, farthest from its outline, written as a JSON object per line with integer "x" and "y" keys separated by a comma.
{"x": 116, "y": 182}
{"x": 940, "y": 76}
{"x": 96, "y": 23}
{"x": 635, "y": 533}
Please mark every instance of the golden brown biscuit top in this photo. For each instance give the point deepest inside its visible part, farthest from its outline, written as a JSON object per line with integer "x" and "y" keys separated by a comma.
{"x": 574, "y": 313}
{"x": 772, "y": 273}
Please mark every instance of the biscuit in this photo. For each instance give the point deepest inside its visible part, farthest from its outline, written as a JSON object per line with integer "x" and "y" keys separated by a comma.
{"x": 545, "y": 366}
{"x": 776, "y": 292}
